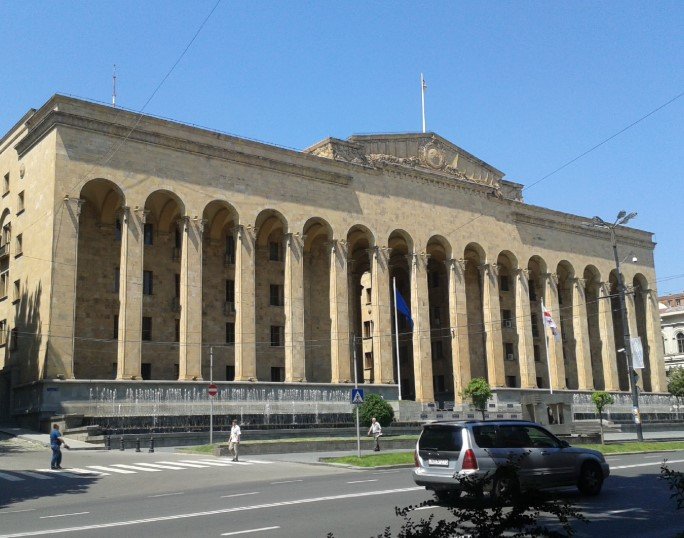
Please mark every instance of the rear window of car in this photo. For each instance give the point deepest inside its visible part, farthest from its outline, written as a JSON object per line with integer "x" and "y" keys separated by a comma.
{"x": 441, "y": 438}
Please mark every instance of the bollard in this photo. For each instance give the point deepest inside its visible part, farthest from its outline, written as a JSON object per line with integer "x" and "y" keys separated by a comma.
{"x": 151, "y": 444}
{"x": 108, "y": 442}
{"x": 123, "y": 447}
{"x": 137, "y": 444}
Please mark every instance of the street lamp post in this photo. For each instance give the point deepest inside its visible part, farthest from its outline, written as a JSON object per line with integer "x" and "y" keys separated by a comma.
{"x": 622, "y": 219}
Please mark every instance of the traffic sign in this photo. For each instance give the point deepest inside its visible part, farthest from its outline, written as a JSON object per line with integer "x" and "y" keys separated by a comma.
{"x": 357, "y": 396}
{"x": 212, "y": 390}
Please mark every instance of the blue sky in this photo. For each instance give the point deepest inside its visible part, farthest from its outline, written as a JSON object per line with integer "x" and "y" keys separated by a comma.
{"x": 525, "y": 86}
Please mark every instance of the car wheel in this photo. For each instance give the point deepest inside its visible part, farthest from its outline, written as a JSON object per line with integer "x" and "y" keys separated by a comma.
{"x": 590, "y": 480}
{"x": 505, "y": 486}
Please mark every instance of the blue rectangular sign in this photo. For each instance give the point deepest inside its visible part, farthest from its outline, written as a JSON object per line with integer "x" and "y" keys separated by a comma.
{"x": 357, "y": 396}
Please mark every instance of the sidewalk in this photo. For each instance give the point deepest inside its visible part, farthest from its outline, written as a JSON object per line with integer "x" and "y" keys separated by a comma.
{"x": 43, "y": 439}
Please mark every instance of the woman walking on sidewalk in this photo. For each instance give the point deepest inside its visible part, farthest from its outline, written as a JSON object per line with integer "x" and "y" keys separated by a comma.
{"x": 56, "y": 442}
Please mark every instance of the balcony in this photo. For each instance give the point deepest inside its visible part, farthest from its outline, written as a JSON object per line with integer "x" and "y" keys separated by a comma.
{"x": 4, "y": 250}
{"x": 229, "y": 308}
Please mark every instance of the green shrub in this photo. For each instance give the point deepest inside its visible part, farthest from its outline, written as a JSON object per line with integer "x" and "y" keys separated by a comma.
{"x": 375, "y": 406}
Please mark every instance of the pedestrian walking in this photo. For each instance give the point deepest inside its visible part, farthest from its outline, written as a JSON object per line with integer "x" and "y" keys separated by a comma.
{"x": 234, "y": 440}
{"x": 376, "y": 430}
{"x": 56, "y": 442}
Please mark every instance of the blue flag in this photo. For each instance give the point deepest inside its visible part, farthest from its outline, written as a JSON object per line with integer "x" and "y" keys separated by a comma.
{"x": 403, "y": 307}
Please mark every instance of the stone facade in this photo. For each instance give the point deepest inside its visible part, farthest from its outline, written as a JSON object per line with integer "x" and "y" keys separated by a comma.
{"x": 148, "y": 245}
{"x": 672, "y": 321}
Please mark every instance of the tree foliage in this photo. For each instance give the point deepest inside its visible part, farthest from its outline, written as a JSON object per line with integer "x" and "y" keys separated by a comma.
{"x": 601, "y": 400}
{"x": 375, "y": 406}
{"x": 675, "y": 481}
{"x": 675, "y": 383}
{"x": 478, "y": 392}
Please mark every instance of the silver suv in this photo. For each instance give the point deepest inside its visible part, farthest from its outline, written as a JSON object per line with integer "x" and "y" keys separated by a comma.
{"x": 447, "y": 451}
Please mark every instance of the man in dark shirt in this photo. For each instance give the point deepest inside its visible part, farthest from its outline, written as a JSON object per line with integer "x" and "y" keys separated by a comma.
{"x": 56, "y": 443}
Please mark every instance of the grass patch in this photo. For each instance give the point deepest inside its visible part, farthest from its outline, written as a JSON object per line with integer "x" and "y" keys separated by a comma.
{"x": 201, "y": 449}
{"x": 621, "y": 448}
{"x": 375, "y": 460}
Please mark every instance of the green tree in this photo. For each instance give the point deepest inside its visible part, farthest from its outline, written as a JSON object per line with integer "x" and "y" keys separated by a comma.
{"x": 675, "y": 385}
{"x": 478, "y": 392}
{"x": 602, "y": 399}
{"x": 375, "y": 406}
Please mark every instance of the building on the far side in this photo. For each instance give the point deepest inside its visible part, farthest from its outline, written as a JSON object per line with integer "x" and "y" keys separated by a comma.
{"x": 672, "y": 322}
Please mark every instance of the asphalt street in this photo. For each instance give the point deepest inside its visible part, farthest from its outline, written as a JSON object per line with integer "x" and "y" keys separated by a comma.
{"x": 167, "y": 494}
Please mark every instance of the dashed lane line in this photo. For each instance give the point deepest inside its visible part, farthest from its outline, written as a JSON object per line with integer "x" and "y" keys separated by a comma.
{"x": 235, "y": 533}
{"x": 643, "y": 464}
{"x": 239, "y": 494}
{"x": 65, "y": 515}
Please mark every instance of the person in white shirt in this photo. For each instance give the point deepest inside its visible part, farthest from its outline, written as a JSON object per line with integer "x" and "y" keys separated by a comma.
{"x": 376, "y": 430}
{"x": 234, "y": 440}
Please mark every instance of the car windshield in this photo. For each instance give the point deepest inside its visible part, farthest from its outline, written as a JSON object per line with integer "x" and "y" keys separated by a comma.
{"x": 441, "y": 438}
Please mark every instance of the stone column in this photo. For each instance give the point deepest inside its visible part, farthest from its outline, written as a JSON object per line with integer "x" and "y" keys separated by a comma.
{"x": 492, "y": 325}
{"x": 129, "y": 350}
{"x": 458, "y": 319}
{"x": 422, "y": 341}
{"x": 580, "y": 328}
{"x": 608, "y": 356}
{"x": 633, "y": 328}
{"x": 382, "y": 316}
{"x": 190, "y": 357}
{"x": 554, "y": 346}
{"x": 245, "y": 313}
{"x": 294, "y": 308}
{"x": 339, "y": 313}
{"x": 655, "y": 341}
{"x": 523, "y": 324}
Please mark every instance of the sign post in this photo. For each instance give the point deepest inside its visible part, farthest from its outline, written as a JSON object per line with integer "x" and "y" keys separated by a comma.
{"x": 355, "y": 395}
{"x": 213, "y": 391}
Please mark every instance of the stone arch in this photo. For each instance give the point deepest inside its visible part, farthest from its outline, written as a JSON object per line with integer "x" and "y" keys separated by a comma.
{"x": 640, "y": 285}
{"x": 592, "y": 283}
{"x": 513, "y": 353}
{"x": 270, "y": 297}
{"x": 164, "y": 208}
{"x": 474, "y": 258}
{"x": 317, "y": 324}
{"x": 401, "y": 245}
{"x": 440, "y": 253}
{"x": 566, "y": 275}
{"x": 536, "y": 278}
{"x": 98, "y": 259}
{"x": 221, "y": 217}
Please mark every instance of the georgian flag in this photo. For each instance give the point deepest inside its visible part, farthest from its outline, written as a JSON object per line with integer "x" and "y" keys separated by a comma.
{"x": 549, "y": 323}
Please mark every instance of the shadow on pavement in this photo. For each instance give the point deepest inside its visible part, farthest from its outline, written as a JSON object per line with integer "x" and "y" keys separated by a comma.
{"x": 33, "y": 488}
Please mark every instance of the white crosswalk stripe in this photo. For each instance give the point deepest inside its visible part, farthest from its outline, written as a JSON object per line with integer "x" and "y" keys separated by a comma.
{"x": 30, "y": 474}
{"x": 112, "y": 470}
{"x": 59, "y": 472}
{"x": 10, "y": 477}
{"x": 210, "y": 463}
{"x": 157, "y": 466}
{"x": 86, "y": 472}
{"x": 134, "y": 468}
{"x": 185, "y": 464}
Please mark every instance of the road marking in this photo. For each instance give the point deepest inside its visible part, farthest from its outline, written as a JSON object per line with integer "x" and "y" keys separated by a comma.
{"x": 287, "y": 481}
{"x": 250, "y": 530}
{"x": 259, "y": 462}
{"x": 390, "y": 472}
{"x": 11, "y": 477}
{"x": 134, "y": 468}
{"x": 622, "y": 511}
{"x": 239, "y": 494}
{"x": 35, "y": 475}
{"x": 87, "y": 472}
{"x": 215, "y": 512}
{"x": 165, "y": 494}
{"x": 157, "y": 466}
{"x": 644, "y": 464}
{"x": 430, "y": 507}
{"x": 655, "y": 456}
{"x": 214, "y": 463}
{"x": 183, "y": 464}
{"x": 65, "y": 515}
{"x": 17, "y": 511}
{"x": 362, "y": 481}
{"x": 59, "y": 472}
{"x": 109, "y": 469}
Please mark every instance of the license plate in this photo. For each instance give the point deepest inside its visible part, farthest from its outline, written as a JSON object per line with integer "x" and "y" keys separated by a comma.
{"x": 438, "y": 463}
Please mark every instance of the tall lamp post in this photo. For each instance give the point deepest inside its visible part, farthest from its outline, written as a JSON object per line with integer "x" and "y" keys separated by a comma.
{"x": 623, "y": 218}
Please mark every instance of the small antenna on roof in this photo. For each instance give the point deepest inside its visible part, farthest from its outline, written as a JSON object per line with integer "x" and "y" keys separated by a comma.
{"x": 114, "y": 87}
{"x": 423, "y": 87}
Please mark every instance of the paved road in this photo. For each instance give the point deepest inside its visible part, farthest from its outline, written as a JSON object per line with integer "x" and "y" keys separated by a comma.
{"x": 167, "y": 494}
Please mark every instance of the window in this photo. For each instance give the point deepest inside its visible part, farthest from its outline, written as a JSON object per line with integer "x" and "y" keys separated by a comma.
{"x": 16, "y": 295}
{"x": 230, "y": 372}
{"x": 177, "y": 284}
{"x": 274, "y": 251}
{"x": 367, "y": 329}
{"x": 5, "y": 184}
{"x": 117, "y": 230}
{"x": 4, "y": 282}
{"x": 540, "y": 383}
{"x": 178, "y": 238}
{"x": 368, "y": 295}
{"x": 14, "y": 339}
{"x": 276, "y": 335}
{"x": 438, "y": 383}
{"x": 680, "y": 343}
{"x": 506, "y": 319}
{"x": 146, "y": 329}
{"x": 367, "y": 360}
{"x": 503, "y": 283}
{"x": 146, "y": 370}
{"x": 115, "y": 333}
{"x": 510, "y": 381}
{"x": 3, "y": 332}
{"x": 176, "y": 330}
{"x": 147, "y": 282}
{"x": 148, "y": 233}
{"x": 535, "y": 326}
{"x": 230, "y": 249}
{"x": 276, "y": 295}
{"x": 444, "y": 438}
{"x": 533, "y": 290}
{"x": 539, "y": 438}
{"x": 437, "y": 350}
{"x": 6, "y": 236}
{"x": 277, "y": 374}
{"x": 20, "y": 202}
{"x": 230, "y": 291}
{"x": 434, "y": 279}
{"x": 114, "y": 369}
{"x": 18, "y": 245}
{"x": 230, "y": 333}
{"x": 537, "y": 354}
{"x": 176, "y": 370}
{"x": 117, "y": 277}
{"x": 510, "y": 352}
{"x": 436, "y": 316}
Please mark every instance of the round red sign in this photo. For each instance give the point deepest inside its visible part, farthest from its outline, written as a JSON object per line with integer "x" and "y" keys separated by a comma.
{"x": 213, "y": 390}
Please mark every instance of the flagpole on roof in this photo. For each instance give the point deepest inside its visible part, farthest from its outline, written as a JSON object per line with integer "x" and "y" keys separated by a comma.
{"x": 423, "y": 87}
{"x": 396, "y": 332}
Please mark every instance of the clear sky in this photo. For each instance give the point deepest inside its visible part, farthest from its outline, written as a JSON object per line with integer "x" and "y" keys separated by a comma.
{"x": 525, "y": 86}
